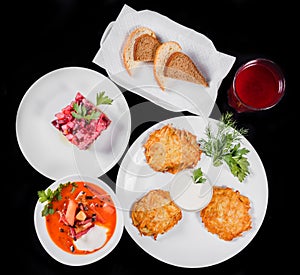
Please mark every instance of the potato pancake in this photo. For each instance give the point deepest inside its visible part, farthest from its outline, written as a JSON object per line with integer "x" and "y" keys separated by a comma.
{"x": 227, "y": 214}
{"x": 155, "y": 213}
{"x": 171, "y": 150}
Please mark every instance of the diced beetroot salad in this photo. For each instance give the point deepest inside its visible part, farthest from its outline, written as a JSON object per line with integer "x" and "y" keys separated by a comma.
{"x": 79, "y": 131}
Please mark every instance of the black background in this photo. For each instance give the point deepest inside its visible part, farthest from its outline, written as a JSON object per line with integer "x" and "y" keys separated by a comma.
{"x": 40, "y": 36}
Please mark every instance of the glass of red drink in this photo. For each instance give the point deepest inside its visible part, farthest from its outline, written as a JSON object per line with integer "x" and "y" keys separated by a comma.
{"x": 257, "y": 85}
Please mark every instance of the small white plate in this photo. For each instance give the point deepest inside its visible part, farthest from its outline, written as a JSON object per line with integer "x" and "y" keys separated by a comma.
{"x": 46, "y": 149}
{"x": 67, "y": 258}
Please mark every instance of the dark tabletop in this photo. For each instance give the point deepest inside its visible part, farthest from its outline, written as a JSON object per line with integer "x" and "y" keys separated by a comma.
{"x": 41, "y": 36}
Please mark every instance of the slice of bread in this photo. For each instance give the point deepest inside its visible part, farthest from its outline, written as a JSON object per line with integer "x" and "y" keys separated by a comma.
{"x": 140, "y": 45}
{"x": 145, "y": 47}
{"x": 163, "y": 52}
{"x": 170, "y": 61}
{"x": 180, "y": 66}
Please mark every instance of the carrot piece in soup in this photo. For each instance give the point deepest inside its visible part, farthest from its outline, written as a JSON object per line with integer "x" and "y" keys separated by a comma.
{"x": 71, "y": 211}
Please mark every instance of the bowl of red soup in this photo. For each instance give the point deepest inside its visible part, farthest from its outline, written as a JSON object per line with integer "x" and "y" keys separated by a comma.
{"x": 78, "y": 220}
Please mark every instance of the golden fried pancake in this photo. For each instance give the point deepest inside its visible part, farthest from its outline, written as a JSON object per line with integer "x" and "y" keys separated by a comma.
{"x": 171, "y": 150}
{"x": 155, "y": 213}
{"x": 227, "y": 214}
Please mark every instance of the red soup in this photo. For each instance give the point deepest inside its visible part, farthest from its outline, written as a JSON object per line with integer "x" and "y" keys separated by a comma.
{"x": 84, "y": 219}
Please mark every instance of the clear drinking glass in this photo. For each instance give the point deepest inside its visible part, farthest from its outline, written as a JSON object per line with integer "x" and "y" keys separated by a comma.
{"x": 257, "y": 85}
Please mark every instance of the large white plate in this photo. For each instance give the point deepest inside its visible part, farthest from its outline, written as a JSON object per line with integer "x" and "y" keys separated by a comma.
{"x": 46, "y": 149}
{"x": 67, "y": 258}
{"x": 189, "y": 244}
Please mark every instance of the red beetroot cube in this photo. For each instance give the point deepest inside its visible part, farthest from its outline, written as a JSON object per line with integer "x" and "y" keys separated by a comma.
{"x": 81, "y": 129}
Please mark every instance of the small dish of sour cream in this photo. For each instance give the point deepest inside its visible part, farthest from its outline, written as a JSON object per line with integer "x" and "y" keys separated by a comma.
{"x": 188, "y": 194}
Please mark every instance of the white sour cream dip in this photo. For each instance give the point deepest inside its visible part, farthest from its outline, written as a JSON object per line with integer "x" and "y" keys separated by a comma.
{"x": 93, "y": 239}
{"x": 188, "y": 195}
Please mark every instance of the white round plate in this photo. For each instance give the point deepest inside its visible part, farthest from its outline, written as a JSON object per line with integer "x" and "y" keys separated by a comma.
{"x": 46, "y": 149}
{"x": 188, "y": 243}
{"x": 67, "y": 258}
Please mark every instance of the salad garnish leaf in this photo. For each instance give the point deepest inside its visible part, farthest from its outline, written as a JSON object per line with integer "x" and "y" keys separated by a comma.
{"x": 81, "y": 112}
{"x": 198, "y": 176}
{"x": 224, "y": 146}
{"x": 103, "y": 99}
{"x": 49, "y": 196}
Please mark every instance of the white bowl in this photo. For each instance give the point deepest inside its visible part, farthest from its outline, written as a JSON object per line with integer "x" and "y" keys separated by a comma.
{"x": 187, "y": 194}
{"x": 74, "y": 259}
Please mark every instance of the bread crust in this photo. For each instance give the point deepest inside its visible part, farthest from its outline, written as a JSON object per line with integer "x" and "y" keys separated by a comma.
{"x": 161, "y": 56}
{"x": 128, "y": 50}
{"x": 145, "y": 47}
{"x": 180, "y": 66}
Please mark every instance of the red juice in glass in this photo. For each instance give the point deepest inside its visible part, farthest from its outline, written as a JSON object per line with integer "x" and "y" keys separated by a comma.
{"x": 257, "y": 85}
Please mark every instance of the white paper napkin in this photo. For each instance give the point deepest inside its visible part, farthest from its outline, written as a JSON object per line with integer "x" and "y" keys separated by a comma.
{"x": 179, "y": 95}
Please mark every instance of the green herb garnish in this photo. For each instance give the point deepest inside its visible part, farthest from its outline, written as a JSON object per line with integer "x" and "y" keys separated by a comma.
{"x": 103, "y": 99}
{"x": 49, "y": 196}
{"x": 81, "y": 112}
{"x": 198, "y": 176}
{"x": 225, "y": 146}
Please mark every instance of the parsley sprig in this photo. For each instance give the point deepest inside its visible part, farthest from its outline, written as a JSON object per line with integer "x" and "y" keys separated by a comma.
{"x": 198, "y": 176}
{"x": 81, "y": 112}
{"x": 103, "y": 99}
{"x": 224, "y": 146}
{"x": 49, "y": 196}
